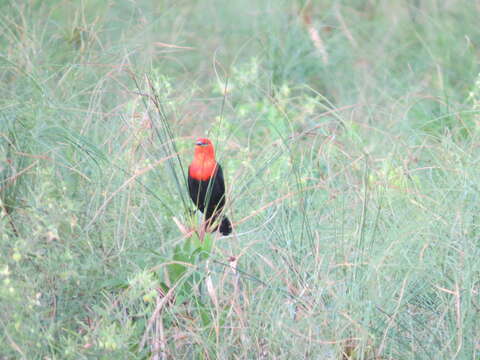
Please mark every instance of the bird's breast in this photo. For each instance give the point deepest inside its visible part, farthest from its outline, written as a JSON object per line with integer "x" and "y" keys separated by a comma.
{"x": 203, "y": 170}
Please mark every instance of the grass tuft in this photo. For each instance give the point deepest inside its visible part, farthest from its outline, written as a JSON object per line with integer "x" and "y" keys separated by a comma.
{"x": 348, "y": 136}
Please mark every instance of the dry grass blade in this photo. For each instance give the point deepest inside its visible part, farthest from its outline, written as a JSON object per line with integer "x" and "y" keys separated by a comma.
{"x": 314, "y": 34}
{"x": 173, "y": 46}
{"x": 161, "y": 302}
{"x": 123, "y": 186}
{"x": 159, "y": 342}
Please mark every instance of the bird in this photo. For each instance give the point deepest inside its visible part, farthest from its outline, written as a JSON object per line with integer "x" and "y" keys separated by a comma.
{"x": 207, "y": 186}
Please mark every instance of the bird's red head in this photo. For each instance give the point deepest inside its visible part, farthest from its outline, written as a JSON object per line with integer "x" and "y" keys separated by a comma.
{"x": 204, "y": 149}
{"x": 203, "y": 164}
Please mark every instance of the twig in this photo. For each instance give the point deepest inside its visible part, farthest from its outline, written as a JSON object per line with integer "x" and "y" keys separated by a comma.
{"x": 156, "y": 313}
{"x": 159, "y": 340}
{"x": 13, "y": 344}
{"x": 12, "y": 178}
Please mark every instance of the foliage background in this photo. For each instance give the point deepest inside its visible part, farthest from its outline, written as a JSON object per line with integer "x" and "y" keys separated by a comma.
{"x": 348, "y": 132}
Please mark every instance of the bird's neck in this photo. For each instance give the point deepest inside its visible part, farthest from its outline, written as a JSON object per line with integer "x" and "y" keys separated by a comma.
{"x": 203, "y": 167}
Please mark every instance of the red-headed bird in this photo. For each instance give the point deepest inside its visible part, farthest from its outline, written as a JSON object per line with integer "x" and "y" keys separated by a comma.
{"x": 206, "y": 185}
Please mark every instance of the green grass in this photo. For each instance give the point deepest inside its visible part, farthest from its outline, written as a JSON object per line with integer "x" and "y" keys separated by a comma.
{"x": 353, "y": 179}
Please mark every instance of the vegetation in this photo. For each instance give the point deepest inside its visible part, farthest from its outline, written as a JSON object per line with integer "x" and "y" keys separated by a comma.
{"x": 348, "y": 132}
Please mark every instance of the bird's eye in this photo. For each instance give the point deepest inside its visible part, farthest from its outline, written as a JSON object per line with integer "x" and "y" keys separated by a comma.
{"x": 200, "y": 143}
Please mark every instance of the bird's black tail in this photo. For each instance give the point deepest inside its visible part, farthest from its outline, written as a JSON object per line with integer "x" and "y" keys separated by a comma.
{"x": 225, "y": 226}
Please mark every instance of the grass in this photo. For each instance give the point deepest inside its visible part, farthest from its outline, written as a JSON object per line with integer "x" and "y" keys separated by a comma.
{"x": 351, "y": 165}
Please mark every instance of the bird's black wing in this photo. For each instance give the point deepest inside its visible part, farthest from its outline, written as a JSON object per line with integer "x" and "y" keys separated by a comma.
{"x": 195, "y": 191}
{"x": 219, "y": 181}
{"x": 216, "y": 193}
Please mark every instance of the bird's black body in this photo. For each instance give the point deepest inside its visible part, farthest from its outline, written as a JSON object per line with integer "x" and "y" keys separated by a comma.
{"x": 209, "y": 195}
